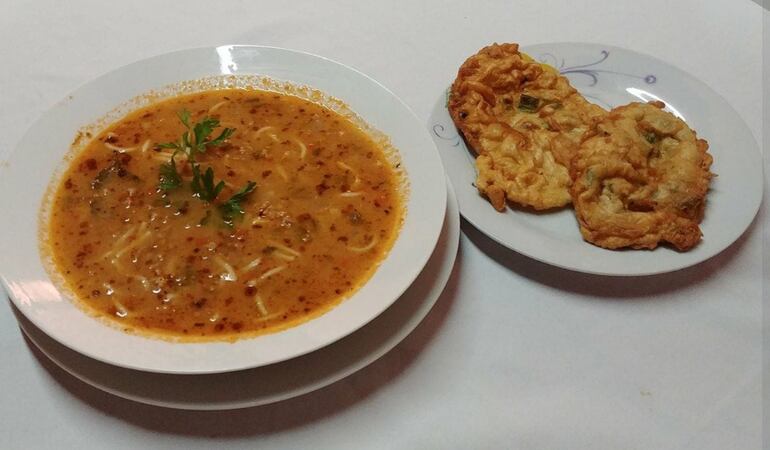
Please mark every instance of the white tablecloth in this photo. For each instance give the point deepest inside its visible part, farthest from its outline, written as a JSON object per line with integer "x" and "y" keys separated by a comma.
{"x": 516, "y": 354}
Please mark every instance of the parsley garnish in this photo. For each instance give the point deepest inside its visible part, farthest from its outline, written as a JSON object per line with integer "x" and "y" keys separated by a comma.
{"x": 203, "y": 185}
{"x": 196, "y": 138}
{"x": 193, "y": 142}
{"x": 203, "y": 129}
{"x": 169, "y": 177}
{"x": 231, "y": 209}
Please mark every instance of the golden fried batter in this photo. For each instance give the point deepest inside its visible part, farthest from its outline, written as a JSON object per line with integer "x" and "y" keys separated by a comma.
{"x": 524, "y": 121}
{"x": 641, "y": 178}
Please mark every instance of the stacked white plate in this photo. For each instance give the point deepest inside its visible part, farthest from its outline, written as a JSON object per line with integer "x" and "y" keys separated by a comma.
{"x": 248, "y": 372}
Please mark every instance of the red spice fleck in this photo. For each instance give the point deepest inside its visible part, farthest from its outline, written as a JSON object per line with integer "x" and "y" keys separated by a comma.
{"x": 89, "y": 164}
{"x": 125, "y": 158}
{"x": 321, "y": 188}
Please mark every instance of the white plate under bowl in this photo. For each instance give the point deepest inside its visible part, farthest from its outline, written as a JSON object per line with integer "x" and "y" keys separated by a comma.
{"x": 27, "y": 171}
{"x": 279, "y": 381}
{"x": 611, "y": 76}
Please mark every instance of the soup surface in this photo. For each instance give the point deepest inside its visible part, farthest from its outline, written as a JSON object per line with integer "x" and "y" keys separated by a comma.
{"x": 223, "y": 214}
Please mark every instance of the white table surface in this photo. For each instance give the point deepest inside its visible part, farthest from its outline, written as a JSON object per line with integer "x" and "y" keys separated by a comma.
{"x": 516, "y": 354}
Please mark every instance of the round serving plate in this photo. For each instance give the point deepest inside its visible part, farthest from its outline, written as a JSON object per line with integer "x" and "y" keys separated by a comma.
{"x": 41, "y": 152}
{"x": 279, "y": 381}
{"x": 611, "y": 76}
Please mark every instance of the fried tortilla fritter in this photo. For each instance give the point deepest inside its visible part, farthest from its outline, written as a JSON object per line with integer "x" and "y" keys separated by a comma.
{"x": 640, "y": 178}
{"x": 524, "y": 121}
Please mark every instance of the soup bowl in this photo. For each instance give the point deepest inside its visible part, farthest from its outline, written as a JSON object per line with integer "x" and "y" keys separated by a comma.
{"x": 41, "y": 154}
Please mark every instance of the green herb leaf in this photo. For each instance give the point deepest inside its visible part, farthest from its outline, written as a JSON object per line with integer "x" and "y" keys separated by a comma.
{"x": 203, "y": 185}
{"x": 650, "y": 137}
{"x": 169, "y": 176}
{"x": 202, "y": 130}
{"x": 219, "y": 140}
{"x": 232, "y": 209}
{"x": 193, "y": 140}
{"x": 184, "y": 145}
{"x": 527, "y": 103}
{"x": 184, "y": 117}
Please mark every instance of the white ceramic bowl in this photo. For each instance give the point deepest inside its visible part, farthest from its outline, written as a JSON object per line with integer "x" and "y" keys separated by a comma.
{"x": 28, "y": 170}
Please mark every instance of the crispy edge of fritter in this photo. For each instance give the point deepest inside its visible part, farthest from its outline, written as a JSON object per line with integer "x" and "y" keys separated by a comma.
{"x": 454, "y": 105}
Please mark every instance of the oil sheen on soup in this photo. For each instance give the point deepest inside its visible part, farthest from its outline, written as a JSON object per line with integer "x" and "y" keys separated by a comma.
{"x": 223, "y": 214}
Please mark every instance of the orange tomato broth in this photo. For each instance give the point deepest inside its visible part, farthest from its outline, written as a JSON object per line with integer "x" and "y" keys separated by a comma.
{"x": 326, "y": 210}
